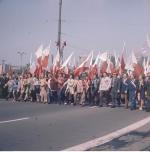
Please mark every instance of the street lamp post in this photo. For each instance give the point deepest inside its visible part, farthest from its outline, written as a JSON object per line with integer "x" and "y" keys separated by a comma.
{"x": 21, "y": 57}
{"x": 3, "y": 64}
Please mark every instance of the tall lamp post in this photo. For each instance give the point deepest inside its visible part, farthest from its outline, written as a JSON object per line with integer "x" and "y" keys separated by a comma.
{"x": 21, "y": 57}
{"x": 3, "y": 65}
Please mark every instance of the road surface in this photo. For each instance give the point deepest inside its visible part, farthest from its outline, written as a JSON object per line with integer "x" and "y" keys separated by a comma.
{"x": 35, "y": 126}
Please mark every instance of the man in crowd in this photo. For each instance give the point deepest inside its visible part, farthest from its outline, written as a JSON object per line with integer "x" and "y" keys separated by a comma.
{"x": 124, "y": 90}
{"x": 104, "y": 89}
{"x": 115, "y": 90}
{"x": 132, "y": 87}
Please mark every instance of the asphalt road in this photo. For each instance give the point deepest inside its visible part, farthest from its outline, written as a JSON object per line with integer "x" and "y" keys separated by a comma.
{"x": 54, "y": 127}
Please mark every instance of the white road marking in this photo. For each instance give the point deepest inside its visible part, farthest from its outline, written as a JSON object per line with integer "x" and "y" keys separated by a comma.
{"x": 14, "y": 120}
{"x": 104, "y": 139}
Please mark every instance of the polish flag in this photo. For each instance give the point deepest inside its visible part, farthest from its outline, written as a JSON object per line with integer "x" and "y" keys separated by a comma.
{"x": 138, "y": 70}
{"x": 122, "y": 65}
{"x": 38, "y": 71}
{"x": 122, "y": 59}
{"x": 56, "y": 63}
{"x": 39, "y": 54}
{"x": 131, "y": 63}
{"x": 67, "y": 61}
{"x": 45, "y": 57}
{"x": 65, "y": 65}
{"x": 104, "y": 56}
{"x": 32, "y": 67}
{"x": 103, "y": 60}
{"x": 94, "y": 70}
{"x": 83, "y": 66}
{"x": 117, "y": 61}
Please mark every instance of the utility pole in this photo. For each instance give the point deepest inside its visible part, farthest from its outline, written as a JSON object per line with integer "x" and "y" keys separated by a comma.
{"x": 59, "y": 32}
{"x": 21, "y": 55}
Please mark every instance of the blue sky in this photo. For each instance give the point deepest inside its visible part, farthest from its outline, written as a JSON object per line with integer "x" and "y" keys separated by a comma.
{"x": 87, "y": 25}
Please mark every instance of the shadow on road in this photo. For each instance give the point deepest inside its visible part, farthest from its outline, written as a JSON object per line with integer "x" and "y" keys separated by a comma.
{"x": 123, "y": 141}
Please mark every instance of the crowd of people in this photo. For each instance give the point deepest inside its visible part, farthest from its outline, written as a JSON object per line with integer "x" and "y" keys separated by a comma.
{"x": 111, "y": 90}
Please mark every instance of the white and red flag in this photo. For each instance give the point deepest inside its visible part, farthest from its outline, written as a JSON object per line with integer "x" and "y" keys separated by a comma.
{"x": 39, "y": 54}
{"x": 103, "y": 60}
{"x": 45, "y": 57}
{"x": 123, "y": 59}
{"x": 56, "y": 63}
{"x": 65, "y": 65}
{"x": 94, "y": 69}
{"x": 104, "y": 56}
{"x": 83, "y": 66}
{"x": 138, "y": 69}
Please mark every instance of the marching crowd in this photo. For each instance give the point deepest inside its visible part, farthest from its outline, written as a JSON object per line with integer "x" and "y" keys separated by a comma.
{"x": 111, "y": 90}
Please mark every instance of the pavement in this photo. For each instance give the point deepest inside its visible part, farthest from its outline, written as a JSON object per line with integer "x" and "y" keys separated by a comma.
{"x": 35, "y": 126}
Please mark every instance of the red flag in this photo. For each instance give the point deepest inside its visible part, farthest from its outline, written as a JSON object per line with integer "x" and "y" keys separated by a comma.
{"x": 38, "y": 70}
{"x": 138, "y": 70}
{"x": 122, "y": 65}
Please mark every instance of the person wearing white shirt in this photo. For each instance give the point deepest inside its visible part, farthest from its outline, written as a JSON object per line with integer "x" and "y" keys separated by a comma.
{"x": 104, "y": 88}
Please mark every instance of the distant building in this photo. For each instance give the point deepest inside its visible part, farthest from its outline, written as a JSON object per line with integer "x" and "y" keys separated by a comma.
{"x": 6, "y": 68}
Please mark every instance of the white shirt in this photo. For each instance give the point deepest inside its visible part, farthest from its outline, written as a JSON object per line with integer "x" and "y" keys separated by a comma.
{"x": 105, "y": 84}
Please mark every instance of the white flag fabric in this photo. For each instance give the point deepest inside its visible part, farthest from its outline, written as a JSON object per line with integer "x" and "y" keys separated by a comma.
{"x": 148, "y": 40}
{"x": 104, "y": 56}
{"x": 91, "y": 61}
{"x": 97, "y": 60}
{"x": 67, "y": 61}
{"x": 88, "y": 59}
{"x": 39, "y": 52}
{"x": 31, "y": 58}
{"x": 133, "y": 57}
{"x": 32, "y": 67}
{"x": 83, "y": 66}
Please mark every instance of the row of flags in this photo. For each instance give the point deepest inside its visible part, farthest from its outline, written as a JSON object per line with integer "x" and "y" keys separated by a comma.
{"x": 104, "y": 62}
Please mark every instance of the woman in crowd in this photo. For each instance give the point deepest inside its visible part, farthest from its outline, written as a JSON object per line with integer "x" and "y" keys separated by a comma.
{"x": 43, "y": 89}
{"x": 70, "y": 90}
